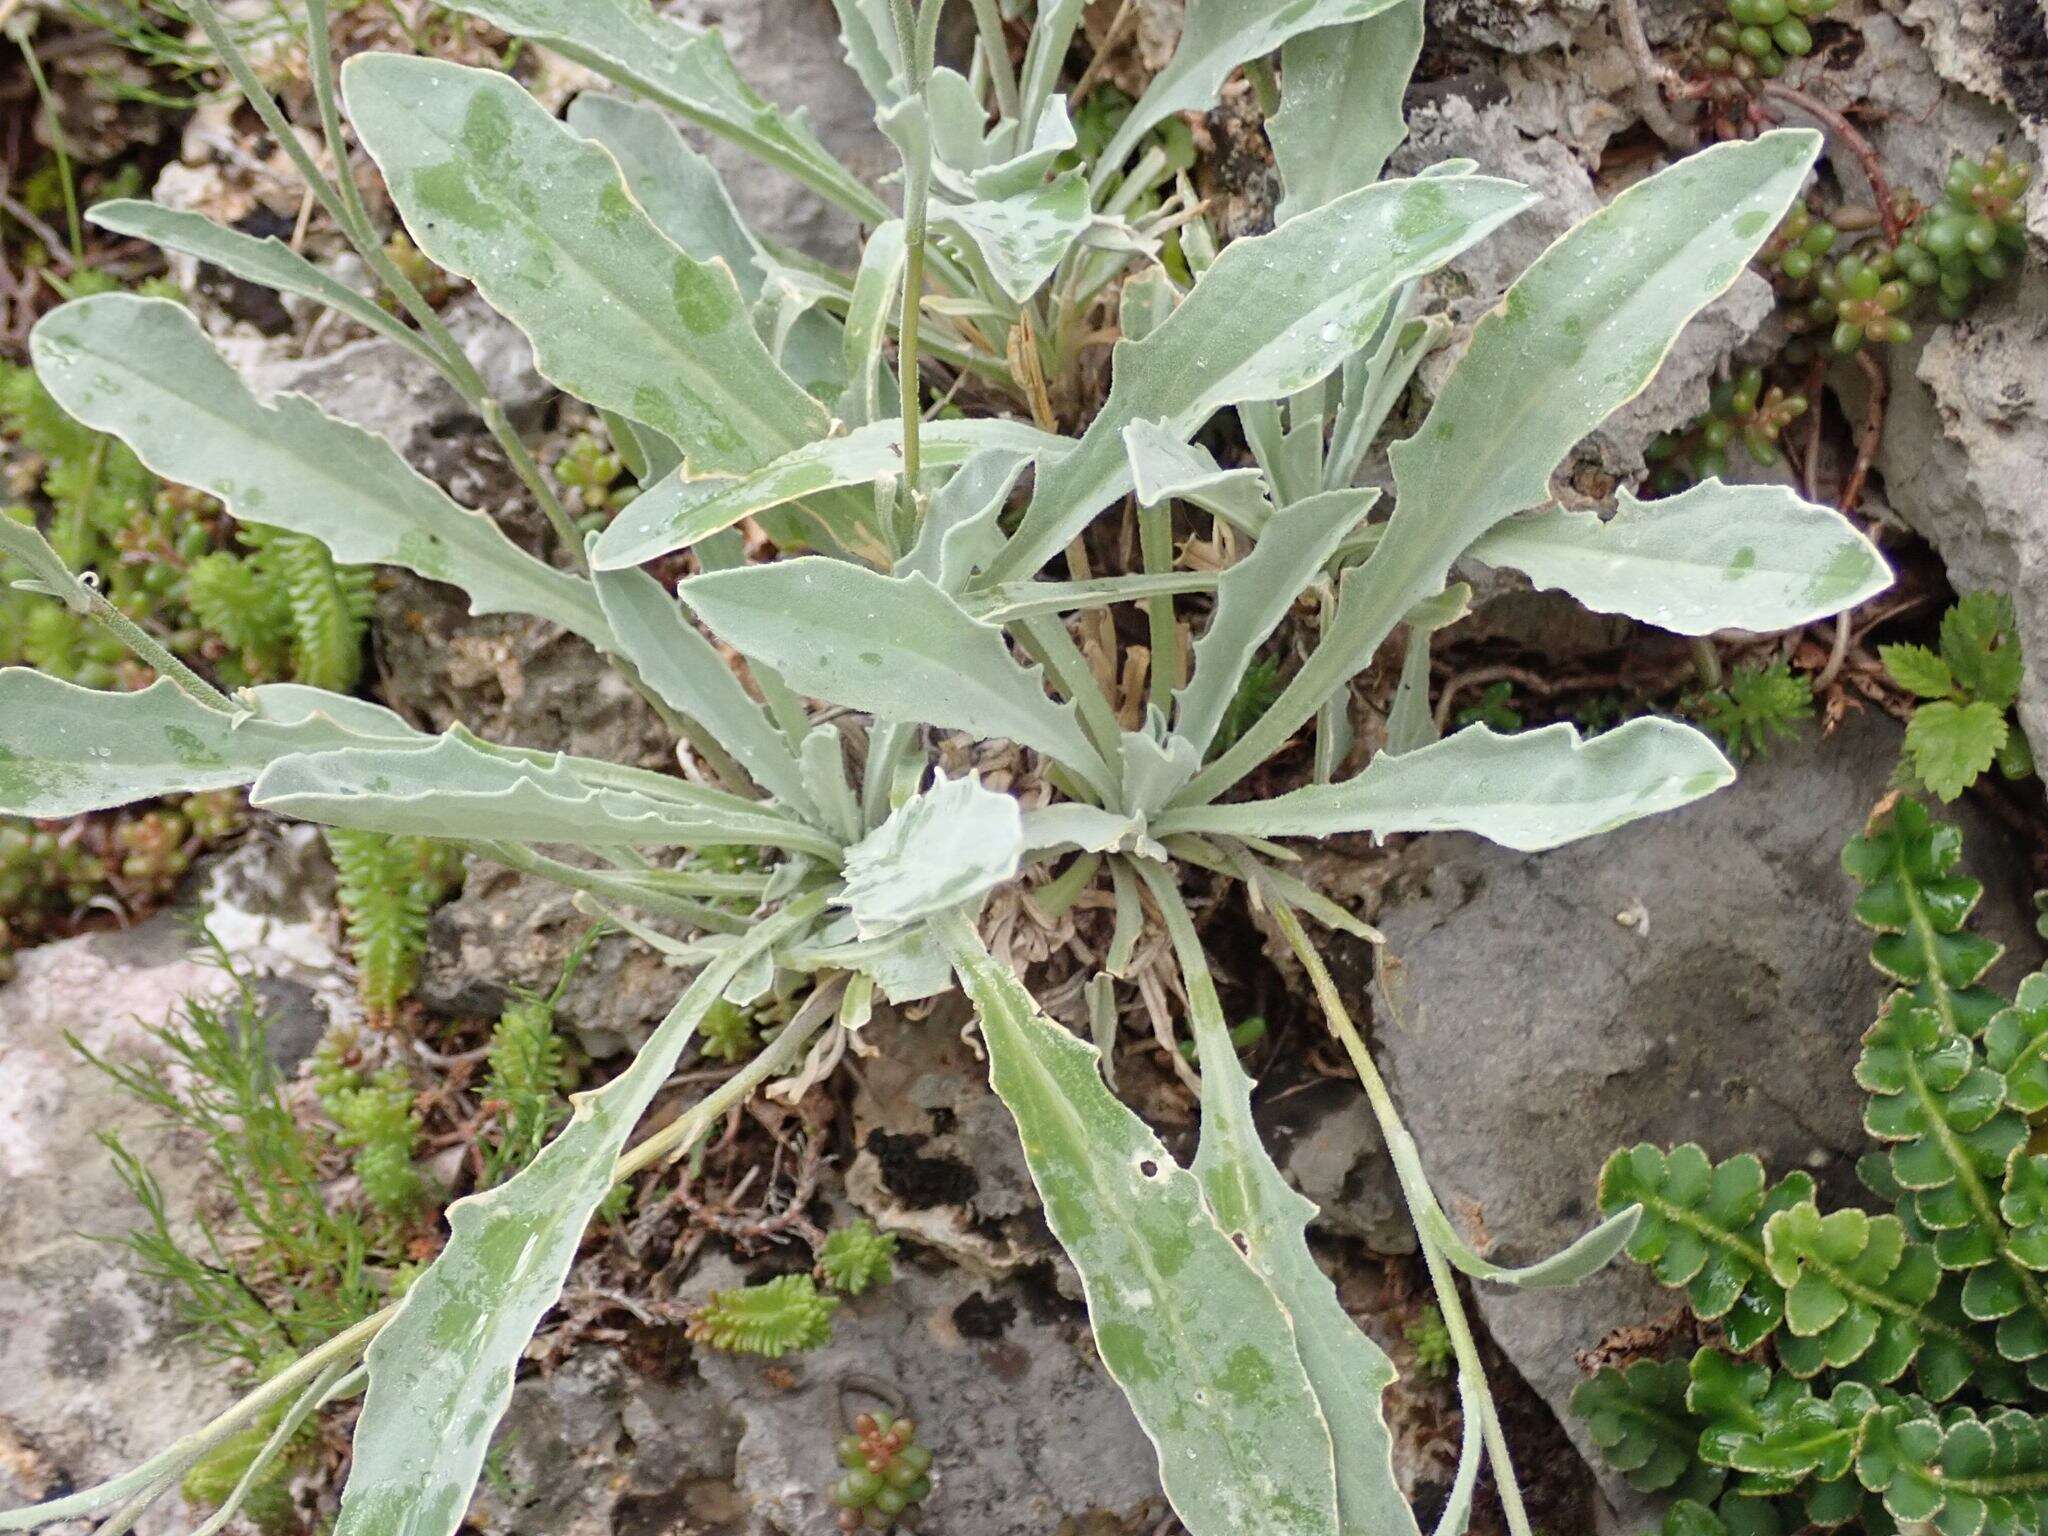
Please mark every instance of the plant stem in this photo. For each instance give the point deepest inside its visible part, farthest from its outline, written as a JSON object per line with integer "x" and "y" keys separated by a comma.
{"x": 1847, "y": 132}
{"x": 916, "y": 207}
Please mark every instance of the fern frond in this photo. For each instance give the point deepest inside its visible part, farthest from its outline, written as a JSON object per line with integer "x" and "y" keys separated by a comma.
{"x": 1637, "y": 1414}
{"x": 1917, "y": 903}
{"x": 327, "y": 612}
{"x": 770, "y": 1319}
{"x": 388, "y": 888}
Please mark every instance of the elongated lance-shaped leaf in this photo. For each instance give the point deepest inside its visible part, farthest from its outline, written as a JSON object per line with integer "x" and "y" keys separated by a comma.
{"x": 1216, "y": 37}
{"x": 66, "y": 750}
{"x": 686, "y": 69}
{"x": 1269, "y": 1220}
{"x": 50, "y": 575}
{"x": 1529, "y": 791}
{"x": 441, "y": 1371}
{"x": 1252, "y": 598}
{"x": 144, "y": 371}
{"x": 686, "y": 670}
{"x": 679, "y": 511}
{"x": 465, "y": 789}
{"x": 1200, "y": 1345}
{"x": 539, "y": 218}
{"x": 685, "y": 197}
{"x": 896, "y": 647}
{"x": 1272, "y": 315}
{"x": 1577, "y": 337}
{"x": 871, "y": 382}
{"x": 1355, "y": 76}
{"x": 1410, "y": 722}
{"x": 269, "y": 262}
{"x": 961, "y": 526}
{"x": 1753, "y": 557}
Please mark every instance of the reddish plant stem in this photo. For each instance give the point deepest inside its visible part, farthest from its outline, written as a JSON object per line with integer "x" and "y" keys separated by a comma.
{"x": 1849, "y": 134}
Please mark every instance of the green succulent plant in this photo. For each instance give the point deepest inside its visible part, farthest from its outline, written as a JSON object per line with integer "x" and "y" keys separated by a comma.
{"x": 910, "y": 612}
{"x": 769, "y": 1319}
{"x": 1880, "y": 1372}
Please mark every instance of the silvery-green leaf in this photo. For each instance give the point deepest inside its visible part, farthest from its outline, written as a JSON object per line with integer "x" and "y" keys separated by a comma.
{"x": 1216, "y": 37}
{"x": 1753, "y": 557}
{"x": 867, "y": 36}
{"x": 678, "y": 512}
{"x": 686, "y": 670}
{"x": 1268, "y": 1220}
{"x": 1202, "y": 1348}
{"x": 898, "y": 648}
{"x": 1253, "y": 596}
{"x": 461, "y": 789}
{"x": 142, "y": 370}
{"x": 1270, "y": 317}
{"x": 1089, "y": 828}
{"x": 908, "y": 965}
{"x": 685, "y": 69}
{"x": 65, "y": 750}
{"x": 495, "y": 189}
{"x": 1156, "y": 764}
{"x": 646, "y": 453}
{"x": 1529, "y": 791}
{"x": 823, "y": 756}
{"x": 945, "y": 847}
{"x": 1410, "y": 724}
{"x": 1577, "y": 337}
{"x": 1052, "y": 30}
{"x": 1145, "y": 301}
{"x": 974, "y": 160}
{"x": 1354, "y": 76}
{"x": 961, "y": 527}
{"x": 269, "y": 262}
{"x": 441, "y": 1371}
{"x": 1021, "y": 237}
{"x": 23, "y": 542}
{"x": 1163, "y": 466}
{"x": 871, "y": 383}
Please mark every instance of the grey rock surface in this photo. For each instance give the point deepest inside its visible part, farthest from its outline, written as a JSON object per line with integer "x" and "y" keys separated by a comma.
{"x": 1694, "y": 977}
{"x": 94, "y": 1378}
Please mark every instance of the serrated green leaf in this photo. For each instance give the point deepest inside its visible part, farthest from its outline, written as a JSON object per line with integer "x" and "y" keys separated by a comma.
{"x": 685, "y": 69}
{"x": 945, "y": 847}
{"x": 1980, "y": 643}
{"x": 1253, "y": 596}
{"x": 269, "y": 262}
{"x": 1199, "y": 1343}
{"x": 1578, "y": 336}
{"x": 441, "y": 1371}
{"x": 144, "y": 371}
{"x": 687, "y": 672}
{"x": 1529, "y": 791}
{"x": 1638, "y": 1416}
{"x": 1272, "y": 316}
{"x": 895, "y": 647}
{"x": 1918, "y": 670}
{"x": 464, "y": 789}
{"x": 680, "y": 511}
{"x": 493, "y": 188}
{"x": 1352, "y": 75}
{"x": 1752, "y": 557}
{"x": 1215, "y": 37}
{"x": 1951, "y": 744}
{"x": 69, "y": 750}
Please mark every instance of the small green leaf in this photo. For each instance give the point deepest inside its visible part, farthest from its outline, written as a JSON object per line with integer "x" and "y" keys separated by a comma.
{"x": 1529, "y": 791}
{"x": 2016, "y": 1046}
{"x": 1951, "y": 744}
{"x": 1918, "y": 670}
{"x": 1639, "y": 1417}
{"x": 945, "y": 847}
{"x": 1980, "y": 643}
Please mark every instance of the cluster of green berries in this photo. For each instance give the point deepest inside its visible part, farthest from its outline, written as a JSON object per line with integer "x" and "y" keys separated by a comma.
{"x": 1742, "y": 409}
{"x": 887, "y": 1472}
{"x": 1973, "y": 236}
{"x": 1758, "y": 38}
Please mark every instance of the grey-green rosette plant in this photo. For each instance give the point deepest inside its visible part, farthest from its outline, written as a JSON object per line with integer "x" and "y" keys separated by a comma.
{"x": 911, "y": 600}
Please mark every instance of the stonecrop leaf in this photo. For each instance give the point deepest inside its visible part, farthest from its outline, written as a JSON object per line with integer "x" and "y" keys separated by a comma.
{"x": 441, "y": 1371}
{"x": 896, "y": 647}
{"x": 1272, "y": 316}
{"x": 685, "y": 69}
{"x": 142, "y": 370}
{"x": 495, "y": 189}
{"x": 1578, "y": 336}
{"x": 1752, "y": 557}
{"x": 1529, "y": 791}
{"x": 1200, "y": 1345}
